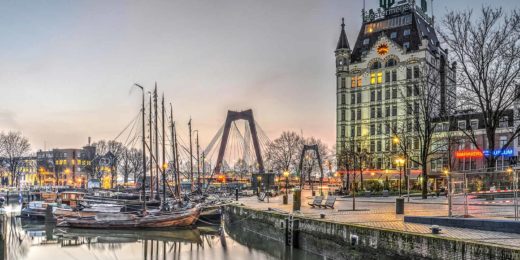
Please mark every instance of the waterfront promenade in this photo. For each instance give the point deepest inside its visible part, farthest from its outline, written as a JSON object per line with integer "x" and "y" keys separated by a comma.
{"x": 380, "y": 213}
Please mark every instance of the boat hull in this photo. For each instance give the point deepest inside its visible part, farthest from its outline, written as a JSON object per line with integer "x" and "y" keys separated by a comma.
{"x": 162, "y": 220}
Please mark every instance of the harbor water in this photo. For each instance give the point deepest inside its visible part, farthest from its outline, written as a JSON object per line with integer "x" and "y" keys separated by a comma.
{"x": 35, "y": 239}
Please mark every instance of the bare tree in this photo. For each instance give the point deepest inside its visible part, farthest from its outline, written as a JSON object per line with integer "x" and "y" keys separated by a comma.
{"x": 283, "y": 153}
{"x": 134, "y": 158}
{"x": 13, "y": 147}
{"x": 424, "y": 112}
{"x": 488, "y": 49}
{"x": 117, "y": 149}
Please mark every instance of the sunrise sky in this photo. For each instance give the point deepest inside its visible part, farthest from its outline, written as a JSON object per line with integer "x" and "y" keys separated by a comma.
{"x": 67, "y": 67}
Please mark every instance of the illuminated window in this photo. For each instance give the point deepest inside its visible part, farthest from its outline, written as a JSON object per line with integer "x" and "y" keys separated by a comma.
{"x": 356, "y": 81}
{"x": 379, "y": 77}
{"x": 373, "y": 78}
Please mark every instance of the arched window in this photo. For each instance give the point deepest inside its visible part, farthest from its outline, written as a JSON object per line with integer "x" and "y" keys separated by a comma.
{"x": 376, "y": 65}
{"x": 391, "y": 63}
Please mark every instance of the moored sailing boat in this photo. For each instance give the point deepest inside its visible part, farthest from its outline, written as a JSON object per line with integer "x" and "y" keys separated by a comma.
{"x": 142, "y": 218}
{"x": 119, "y": 220}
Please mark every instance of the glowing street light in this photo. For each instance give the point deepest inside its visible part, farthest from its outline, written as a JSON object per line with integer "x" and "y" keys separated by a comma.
{"x": 400, "y": 163}
{"x": 446, "y": 172}
{"x": 286, "y": 175}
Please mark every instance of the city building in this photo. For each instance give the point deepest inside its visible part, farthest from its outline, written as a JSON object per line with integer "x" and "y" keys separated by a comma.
{"x": 65, "y": 167}
{"x": 26, "y": 171}
{"x": 378, "y": 83}
{"x": 463, "y": 155}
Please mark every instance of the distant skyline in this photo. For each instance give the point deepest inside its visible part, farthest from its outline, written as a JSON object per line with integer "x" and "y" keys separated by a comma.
{"x": 67, "y": 67}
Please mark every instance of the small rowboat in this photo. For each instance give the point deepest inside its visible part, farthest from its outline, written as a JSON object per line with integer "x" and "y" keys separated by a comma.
{"x": 121, "y": 220}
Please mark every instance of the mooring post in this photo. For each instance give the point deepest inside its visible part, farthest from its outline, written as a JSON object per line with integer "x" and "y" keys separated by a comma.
{"x": 49, "y": 217}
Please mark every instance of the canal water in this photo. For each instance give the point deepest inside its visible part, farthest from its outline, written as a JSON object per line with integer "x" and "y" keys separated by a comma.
{"x": 32, "y": 239}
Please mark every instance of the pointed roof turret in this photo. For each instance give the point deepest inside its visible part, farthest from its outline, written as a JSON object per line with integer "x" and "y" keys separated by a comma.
{"x": 343, "y": 41}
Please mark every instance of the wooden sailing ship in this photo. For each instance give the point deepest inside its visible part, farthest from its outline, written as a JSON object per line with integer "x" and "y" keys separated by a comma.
{"x": 120, "y": 220}
{"x": 143, "y": 218}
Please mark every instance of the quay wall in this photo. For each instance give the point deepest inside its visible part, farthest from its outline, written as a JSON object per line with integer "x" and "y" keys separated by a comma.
{"x": 335, "y": 240}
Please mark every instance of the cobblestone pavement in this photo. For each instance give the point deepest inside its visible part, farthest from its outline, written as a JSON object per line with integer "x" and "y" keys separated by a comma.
{"x": 380, "y": 213}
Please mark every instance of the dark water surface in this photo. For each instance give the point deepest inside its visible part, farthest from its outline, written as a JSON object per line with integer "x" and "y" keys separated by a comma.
{"x": 31, "y": 239}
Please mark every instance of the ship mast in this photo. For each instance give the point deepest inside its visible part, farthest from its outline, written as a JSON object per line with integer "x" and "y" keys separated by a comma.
{"x": 151, "y": 144}
{"x": 177, "y": 162}
{"x": 156, "y": 142}
{"x": 143, "y": 137}
{"x": 163, "y": 154}
{"x": 191, "y": 159}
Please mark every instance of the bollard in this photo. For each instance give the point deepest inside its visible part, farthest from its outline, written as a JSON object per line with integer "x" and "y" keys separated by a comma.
{"x": 236, "y": 194}
{"x": 435, "y": 229}
{"x": 297, "y": 196}
{"x": 7, "y": 198}
{"x": 399, "y": 206}
{"x": 285, "y": 199}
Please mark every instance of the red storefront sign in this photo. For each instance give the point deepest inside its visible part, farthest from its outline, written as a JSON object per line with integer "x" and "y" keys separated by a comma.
{"x": 469, "y": 154}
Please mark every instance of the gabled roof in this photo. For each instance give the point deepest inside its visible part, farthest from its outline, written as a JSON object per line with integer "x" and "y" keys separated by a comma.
{"x": 418, "y": 27}
{"x": 343, "y": 41}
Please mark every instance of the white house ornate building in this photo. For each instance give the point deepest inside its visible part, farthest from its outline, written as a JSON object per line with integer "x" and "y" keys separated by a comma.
{"x": 375, "y": 78}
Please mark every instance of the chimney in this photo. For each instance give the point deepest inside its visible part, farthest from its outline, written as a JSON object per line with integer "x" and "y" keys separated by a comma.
{"x": 89, "y": 141}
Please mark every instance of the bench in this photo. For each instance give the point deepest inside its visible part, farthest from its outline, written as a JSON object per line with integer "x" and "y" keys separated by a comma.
{"x": 329, "y": 203}
{"x": 316, "y": 202}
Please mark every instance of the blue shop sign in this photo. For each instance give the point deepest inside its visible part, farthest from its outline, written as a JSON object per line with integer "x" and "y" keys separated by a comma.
{"x": 506, "y": 152}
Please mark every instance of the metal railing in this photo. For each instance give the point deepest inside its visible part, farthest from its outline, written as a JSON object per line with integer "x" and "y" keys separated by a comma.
{"x": 483, "y": 194}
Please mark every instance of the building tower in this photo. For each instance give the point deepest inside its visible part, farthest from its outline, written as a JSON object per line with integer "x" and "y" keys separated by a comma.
{"x": 377, "y": 82}
{"x": 342, "y": 53}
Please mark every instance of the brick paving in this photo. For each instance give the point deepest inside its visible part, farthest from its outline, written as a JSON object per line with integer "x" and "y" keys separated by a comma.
{"x": 380, "y": 213}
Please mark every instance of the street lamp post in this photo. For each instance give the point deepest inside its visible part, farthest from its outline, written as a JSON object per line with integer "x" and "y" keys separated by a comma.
{"x": 450, "y": 205}
{"x": 400, "y": 162}
{"x": 286, "y": 175}
{"x": 259, "y": 180}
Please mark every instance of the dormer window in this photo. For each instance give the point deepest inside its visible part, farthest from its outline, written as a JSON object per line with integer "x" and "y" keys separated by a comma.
{"x": 366, "y": 41}
{"x": 473, "y": 124}
{"x": 406, "y": 32}
{"x": 406, "y": 45}
{"x": 462, "y": 125}
{"x": 376, "y": 65}
{"x": 391, "y": 63}
{"x": 393, "y": 35}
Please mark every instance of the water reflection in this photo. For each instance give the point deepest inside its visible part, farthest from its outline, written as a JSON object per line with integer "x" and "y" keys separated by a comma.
{"x": 31, "y": 239}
